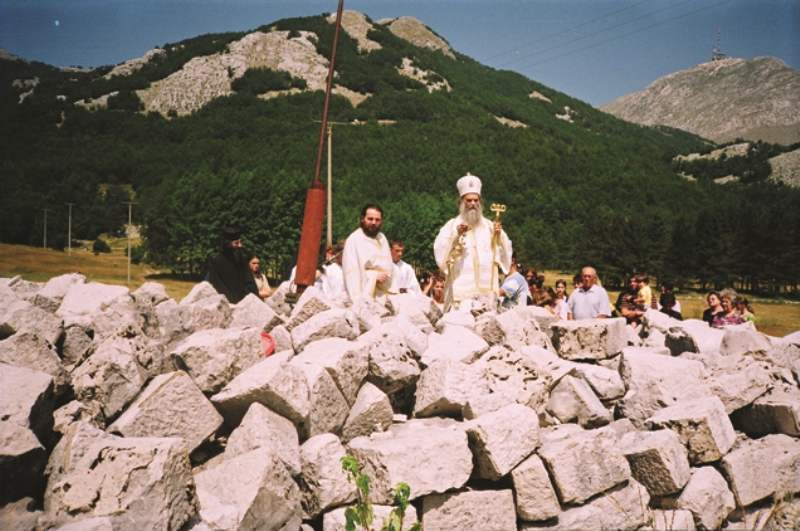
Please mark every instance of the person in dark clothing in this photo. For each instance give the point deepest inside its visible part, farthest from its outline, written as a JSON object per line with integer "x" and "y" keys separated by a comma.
{"x": 714, "y": 307}
{"x": 667, "y": 303}
{"x": 228, "y": 271}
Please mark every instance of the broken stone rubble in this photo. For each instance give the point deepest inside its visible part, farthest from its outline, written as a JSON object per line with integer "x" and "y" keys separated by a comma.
{"x": 513, "y": 424}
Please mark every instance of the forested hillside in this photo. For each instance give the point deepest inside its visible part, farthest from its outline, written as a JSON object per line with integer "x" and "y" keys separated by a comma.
{"x": 584, "y": 187}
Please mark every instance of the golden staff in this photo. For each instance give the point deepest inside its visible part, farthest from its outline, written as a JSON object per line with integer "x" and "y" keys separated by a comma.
{"x": 498, "y": 209}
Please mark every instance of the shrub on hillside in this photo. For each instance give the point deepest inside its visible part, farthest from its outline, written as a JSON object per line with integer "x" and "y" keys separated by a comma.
{"x": 260, "y": 80}
{"x": 100, "y": 246}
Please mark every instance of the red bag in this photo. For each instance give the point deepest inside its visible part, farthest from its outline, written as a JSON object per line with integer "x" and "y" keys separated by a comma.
{"x": 268, "y": 342}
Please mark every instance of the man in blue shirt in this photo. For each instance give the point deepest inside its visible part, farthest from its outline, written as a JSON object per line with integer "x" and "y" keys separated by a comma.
{"x": 589, "y": 301}
{"x": 514, "y": 291}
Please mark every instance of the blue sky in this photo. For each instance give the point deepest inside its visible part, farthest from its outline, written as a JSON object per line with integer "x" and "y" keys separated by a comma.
{"x": 595, "y": 50}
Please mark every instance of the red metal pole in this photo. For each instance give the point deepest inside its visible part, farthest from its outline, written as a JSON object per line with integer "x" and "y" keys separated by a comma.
{"x": 314, "y": 214}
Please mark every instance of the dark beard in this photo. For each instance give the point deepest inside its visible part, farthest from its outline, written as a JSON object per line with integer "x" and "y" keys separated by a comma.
{"x": 370, "y": 231}
{"x": 236, "y": 255}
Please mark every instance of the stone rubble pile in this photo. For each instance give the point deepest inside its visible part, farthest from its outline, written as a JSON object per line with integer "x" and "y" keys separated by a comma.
{"x": 129, "y": 410}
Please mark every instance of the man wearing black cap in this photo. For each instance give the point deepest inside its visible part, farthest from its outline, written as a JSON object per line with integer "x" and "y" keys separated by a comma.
{"x": 228, "y": 271}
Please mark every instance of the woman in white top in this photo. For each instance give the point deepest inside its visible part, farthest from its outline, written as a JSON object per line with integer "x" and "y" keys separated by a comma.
{"x": 260, "y": 278}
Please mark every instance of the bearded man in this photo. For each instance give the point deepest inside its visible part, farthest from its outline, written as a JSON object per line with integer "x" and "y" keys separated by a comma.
{"x": 470, "y": 248}
{"x": 367, "y": 260}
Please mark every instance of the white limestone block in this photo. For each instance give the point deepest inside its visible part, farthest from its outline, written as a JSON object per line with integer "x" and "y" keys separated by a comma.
{"x": 443, "y": 388}
{"x": 252, "y": 312}
{"x": 144, "y": 483}
{"x": 763, "y": 467}
{"x": 26, "y": 349}
{"x": 216, "y": 356}
{"x": 170, "y": 406}
{"x": 392, "y": 364}
{"x": 743, "y": 338}
{"x": 693, "y": 335}
{"x": 535, "y": 497}
{"x": 703, "y": 426}
{"x": 591, "y": 339}
{"x": 112, "y": 375}
{"x": 572, "y": 400}
{"x": 454, "y": 343}
{"x": 500, "y": 440}
{"x": 658, "y": 460}
{"x": 487, "y": 510}
{"x": 625, "y": 507}
{"x": 654, "y": 380}
{"x": 584, "y": 463}
{"x": 263, "y": 428}
{"x": 327, "y": 485}
{"x": 272, "y": 382}
{"x": 327, "y": 407}
{"x": 430, "y": 455}
{"x": 346, "y": 361}
{"x": 371, "y": 412}
{"x": 776, "y": 412}
{"x": 707, "y": 497}
{"x": 250, "y": 491}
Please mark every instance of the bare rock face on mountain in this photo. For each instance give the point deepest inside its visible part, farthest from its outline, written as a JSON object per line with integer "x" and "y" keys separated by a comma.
{"x": 756, "y": 99}
{"x": 134, "y": 65}
{"x": 205, "y": 78}
{"x": 418, "y": 34}
{"x": 786, "y": 168}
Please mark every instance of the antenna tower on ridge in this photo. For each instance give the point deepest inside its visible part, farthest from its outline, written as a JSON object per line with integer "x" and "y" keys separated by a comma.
{"x": 716, "y": 51}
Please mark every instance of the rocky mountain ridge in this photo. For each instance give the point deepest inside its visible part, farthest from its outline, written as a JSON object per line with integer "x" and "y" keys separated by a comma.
{"x": 722, "y": 100}
{"x": 205, "y": 78}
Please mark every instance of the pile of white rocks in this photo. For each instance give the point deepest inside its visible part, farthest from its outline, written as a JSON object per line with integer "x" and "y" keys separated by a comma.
{"x": 128, "y": 410}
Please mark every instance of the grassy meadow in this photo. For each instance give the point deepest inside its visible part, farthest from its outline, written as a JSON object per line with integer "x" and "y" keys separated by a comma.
{"x": 773, "y": 317}
{"x": 39, "y": 264}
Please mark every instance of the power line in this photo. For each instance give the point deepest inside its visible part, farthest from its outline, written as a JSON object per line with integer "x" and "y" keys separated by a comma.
{"x": 594, "y": 34}
{"x": 568, "y": 30}
{"x": 597, "y": 44}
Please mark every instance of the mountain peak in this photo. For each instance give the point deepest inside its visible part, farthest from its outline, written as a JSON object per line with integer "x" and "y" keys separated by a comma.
{"x": 756, "y": 99}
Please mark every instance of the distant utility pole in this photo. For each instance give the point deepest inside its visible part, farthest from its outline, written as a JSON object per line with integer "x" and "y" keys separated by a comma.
{"x": 128, "y": 234}
{"x": 44, "y": 229}
{"x": 329, "y": 240}
{"x": 69, "y": 229}
{"x": 329, "y": 198}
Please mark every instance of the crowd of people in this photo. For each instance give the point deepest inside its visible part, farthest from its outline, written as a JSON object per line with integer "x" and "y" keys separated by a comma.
{"x": 475, "y": 261}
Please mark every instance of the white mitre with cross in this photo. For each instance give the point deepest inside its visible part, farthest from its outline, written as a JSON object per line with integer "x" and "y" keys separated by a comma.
{"x": 469, "y": 184}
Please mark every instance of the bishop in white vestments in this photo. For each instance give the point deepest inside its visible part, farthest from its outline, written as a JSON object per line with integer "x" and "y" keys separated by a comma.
{"x": 367, "y": 261}
{"x": 471, "y": 249}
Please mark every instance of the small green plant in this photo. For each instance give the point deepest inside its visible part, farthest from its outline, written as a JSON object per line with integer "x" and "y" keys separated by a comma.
{"x": 361, "y": 514}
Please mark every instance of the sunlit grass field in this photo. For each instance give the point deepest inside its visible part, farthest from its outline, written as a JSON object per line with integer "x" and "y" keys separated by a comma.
{"x": 773, "y": 317}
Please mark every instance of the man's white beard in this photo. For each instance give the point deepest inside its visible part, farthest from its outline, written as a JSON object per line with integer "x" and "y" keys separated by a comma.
{"x": 470, "y": 216}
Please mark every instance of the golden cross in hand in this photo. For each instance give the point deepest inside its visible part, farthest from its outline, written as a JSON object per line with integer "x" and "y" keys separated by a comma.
{"x": 498, "y": 209}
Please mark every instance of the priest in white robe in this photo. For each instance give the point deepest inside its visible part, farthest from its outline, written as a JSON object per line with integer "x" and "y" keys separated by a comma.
{"x": 471, "y": 249}
{"x": 367, "y": 260}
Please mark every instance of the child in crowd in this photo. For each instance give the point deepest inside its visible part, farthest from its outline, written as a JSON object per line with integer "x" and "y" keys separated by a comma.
{"x": 645, "y": 295}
